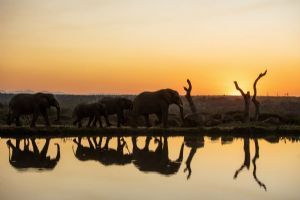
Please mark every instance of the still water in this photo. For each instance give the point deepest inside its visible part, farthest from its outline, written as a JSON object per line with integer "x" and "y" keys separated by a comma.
{"x": 150, "y": 168}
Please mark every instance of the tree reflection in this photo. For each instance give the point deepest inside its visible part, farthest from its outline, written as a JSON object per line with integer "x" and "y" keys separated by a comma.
{"x": 246, "y": 162}
{"x": 194, "y": 143}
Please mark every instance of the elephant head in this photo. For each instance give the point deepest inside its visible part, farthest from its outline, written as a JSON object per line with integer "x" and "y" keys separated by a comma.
{"x": 46, "y": 100}
{"x": 126, "y": 104}
{"x": 172, "y": 97}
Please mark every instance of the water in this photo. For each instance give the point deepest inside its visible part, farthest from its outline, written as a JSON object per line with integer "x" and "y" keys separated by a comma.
{"x": 167, "y": 168}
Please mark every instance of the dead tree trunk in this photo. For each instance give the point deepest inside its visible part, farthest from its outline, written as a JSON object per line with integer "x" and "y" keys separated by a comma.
{"x": 189, "y": 97}
{"x": 247, "y": 102}
{"x": 254, "y": 100}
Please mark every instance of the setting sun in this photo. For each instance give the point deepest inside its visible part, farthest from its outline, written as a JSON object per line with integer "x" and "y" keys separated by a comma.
{"x": 117, "y": 47}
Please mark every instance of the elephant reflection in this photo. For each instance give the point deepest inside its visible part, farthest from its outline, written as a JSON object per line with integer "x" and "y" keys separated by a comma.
{"x": 247, "y": 161}
{"x": 194, "y": 142}
{"x": 26, "y": 158}
{"x": 158, "y": 160}
{"x": 105, "y": 155}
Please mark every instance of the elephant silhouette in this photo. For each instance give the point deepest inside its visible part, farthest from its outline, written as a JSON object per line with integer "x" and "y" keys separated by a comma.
{"x": 25, "y": 158}
{"x": 105, "y": 155}
{"x": 158, "y": 160}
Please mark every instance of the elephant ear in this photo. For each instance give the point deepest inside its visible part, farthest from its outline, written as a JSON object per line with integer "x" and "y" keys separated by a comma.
{"x": 121, "y": 103}
{"x": 43, "y": 101}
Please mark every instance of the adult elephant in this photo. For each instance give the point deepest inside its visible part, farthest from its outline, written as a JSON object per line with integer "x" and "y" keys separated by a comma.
{"x": 26, "y": 158}
{"x": 105, "y": 155}
{"x": 117, "y": 105}
{"x": 158, "y": 103}
{"x": 35, "y": 104}
{"x": 156, "y": 160}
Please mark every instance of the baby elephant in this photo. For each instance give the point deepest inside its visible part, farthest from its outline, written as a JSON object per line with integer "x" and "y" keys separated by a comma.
{"x": 117, "y": 105}
{"x": 91, "y": 111}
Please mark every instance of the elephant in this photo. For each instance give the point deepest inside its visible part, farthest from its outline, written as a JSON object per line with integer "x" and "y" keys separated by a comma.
{"x": 105, "y": 155}
{"x": 35, "y": 104}
{"x": 93, "y": 111}
{"x": 158, "y": 103}
{"x": 158, "y": 160}
{"x": 117, "y": 105}
{"x": 22, "y": 159}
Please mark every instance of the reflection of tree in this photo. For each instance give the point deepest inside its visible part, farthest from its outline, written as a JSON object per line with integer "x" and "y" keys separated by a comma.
{"x": 246, "y": 162}
{"x": 194, "y": 143}
{"x": 256, "y": 156}
{"x": 25, "y": 158}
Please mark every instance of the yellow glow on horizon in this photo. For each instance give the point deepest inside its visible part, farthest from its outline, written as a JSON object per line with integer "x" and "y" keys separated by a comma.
{"x": 132, "y": 46}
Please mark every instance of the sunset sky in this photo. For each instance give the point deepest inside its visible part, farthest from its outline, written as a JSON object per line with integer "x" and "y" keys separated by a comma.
{"x": 128, "y": 46}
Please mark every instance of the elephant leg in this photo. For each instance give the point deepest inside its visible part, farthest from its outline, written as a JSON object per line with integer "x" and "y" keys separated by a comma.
{"x": 45, "y": 116}
{"x": 100, "y": 122}
{"x": 147, "y": 143}
{"x": 165, "y": 148}
{"x": 34, "y": 118}
{"x": 165, "y": 118}
{"x": 75, "y": 122}
{"x": 90, "y": 143}
{"x": 18, "y": 143}
{"x": 26, "y": 144}
{"x": 79, "y": 122}
{"x": 108, "y": 124}
{"x": 159, "y": 116}
{"x": 34, "y": 146}
{"x": 90, "y": 121}
{"x": 16, "y": 117}
{"x": 146, "y": 116}
{"x": 45, "y": 148}
{"x": 95, "y": 143}
{"x": 119, "y": 117}
{"x": 107, "y": 142}
{"x": 94, "y": 121}
{"x": 100, "y": 142}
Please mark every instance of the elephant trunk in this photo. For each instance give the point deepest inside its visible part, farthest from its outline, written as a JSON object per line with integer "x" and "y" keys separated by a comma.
{"x": 58, "y": 153}
{"x": 56, "y": 105}
{"x": 179, "y": 159}
{"x": 180, "y": 105}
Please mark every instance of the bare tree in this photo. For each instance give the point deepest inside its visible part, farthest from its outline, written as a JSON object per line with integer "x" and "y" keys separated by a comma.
{"x": 246, "y": 97}
{"x": 254, "y": 100}
{"x": 189, "y": 97}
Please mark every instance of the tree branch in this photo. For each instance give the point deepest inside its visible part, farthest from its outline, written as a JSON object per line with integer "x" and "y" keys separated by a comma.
{"x": 239, "y": 89}
{"x": 189, "y": 97}
{"x": 254, "y": 100}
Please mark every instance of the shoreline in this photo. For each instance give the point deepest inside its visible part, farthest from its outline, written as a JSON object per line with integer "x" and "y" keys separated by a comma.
{"x": 70, "y": 131}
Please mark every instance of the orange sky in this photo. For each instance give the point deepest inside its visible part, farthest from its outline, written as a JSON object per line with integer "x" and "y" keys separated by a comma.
{"x": 130, "y": 46}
